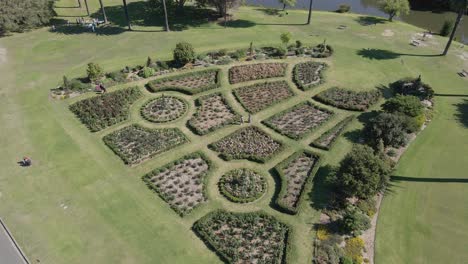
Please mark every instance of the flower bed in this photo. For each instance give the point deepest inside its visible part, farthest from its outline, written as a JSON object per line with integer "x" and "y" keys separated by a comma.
{"x": 181, "y": 183}
{"x": 250, "y": 143}
{"x": 327, "y": 139}
{"x": 309, "y": 74}
{"x": 190, "y": 83}
{"x": 135, "y": 143}
{"x": 257, "y": 97}
{"x": 295, "y": 172}
{"x": 347, "y": 99}
{"x": 242, "y": 185}
{"x": 250, "y": 72}
{"x": 164, "y": 109}
{"x": 244, "y": 237}
{"x": 106, "y": 110}
{"x": 299, "y": 120}
{"x": 213, "y": 112}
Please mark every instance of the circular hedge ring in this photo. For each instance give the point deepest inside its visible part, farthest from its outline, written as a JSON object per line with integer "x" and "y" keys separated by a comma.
{"x": 242, "y": 185}
{"x": 164, "y": 109}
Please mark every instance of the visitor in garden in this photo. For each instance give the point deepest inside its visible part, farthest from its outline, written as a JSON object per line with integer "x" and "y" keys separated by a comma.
{"x": 102, "y": 87}
{"x": 26, "y": 162}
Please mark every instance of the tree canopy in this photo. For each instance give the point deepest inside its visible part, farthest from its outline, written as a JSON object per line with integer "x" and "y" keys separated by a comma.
{"x": 388, "y": 127}
{"x": 395, "y": 8}
{"x": 287, "y": 3}
{"x": 21, "y": 15}
{"x": 404, "y": 104}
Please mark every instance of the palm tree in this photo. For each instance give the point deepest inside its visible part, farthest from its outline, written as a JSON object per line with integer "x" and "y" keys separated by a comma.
{"x": 87, "y": 8}
{"x": 310, "y": 11}
{"x": 126, "y": 14}
{"x": 103, "y": 11}
{"x": 461, "y": 6}
{"x": 165, "y": 16}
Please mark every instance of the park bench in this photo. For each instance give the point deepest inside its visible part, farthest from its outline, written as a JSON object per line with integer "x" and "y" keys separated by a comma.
{"x": 463, "y": 73}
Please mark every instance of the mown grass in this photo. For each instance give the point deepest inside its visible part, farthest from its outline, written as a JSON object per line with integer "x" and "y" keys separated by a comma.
{"x": 112, "y": 217}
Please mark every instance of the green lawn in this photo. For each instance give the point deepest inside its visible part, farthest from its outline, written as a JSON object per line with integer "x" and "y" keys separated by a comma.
{"x": 112, "y": 217}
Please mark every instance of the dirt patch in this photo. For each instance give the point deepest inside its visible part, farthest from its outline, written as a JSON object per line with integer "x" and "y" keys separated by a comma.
{"x": 388, "y": 33}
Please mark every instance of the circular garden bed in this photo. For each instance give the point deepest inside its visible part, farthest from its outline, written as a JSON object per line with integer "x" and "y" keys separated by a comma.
{"x": 164, "y": 109}
{"x": 242, "y": 185}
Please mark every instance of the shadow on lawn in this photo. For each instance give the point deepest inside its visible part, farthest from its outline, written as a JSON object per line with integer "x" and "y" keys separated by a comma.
{"x": 321, "y": 193}
{"x": 462, "y": 112}
{"x": 370, "y": 20}
{"x": 413, "y": 179}
{"x": 381, "y": 54}
{"x": 239, "y": 23}
{"x": 103, "y": 30}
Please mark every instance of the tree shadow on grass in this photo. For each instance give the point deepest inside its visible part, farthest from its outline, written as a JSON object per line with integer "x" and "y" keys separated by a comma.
{"x": 269, "y": 11}
{"x": 370, "y": 20}
{"x": 239, "y": 23}
{"x": 435, "y": 180}
{"x": 381, "y": 54}
{"x": 103, "y": 30}
{"x": 321, "y": 193}
{"x": 353, "y": 136}
{"x": 462, "y": 112}
{"x": 386, "y": 91}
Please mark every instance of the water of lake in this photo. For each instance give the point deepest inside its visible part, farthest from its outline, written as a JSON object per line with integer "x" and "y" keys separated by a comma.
{"x": 424, "y": 19}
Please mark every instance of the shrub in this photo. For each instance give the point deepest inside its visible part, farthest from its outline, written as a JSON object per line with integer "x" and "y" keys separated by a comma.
{"x": 348, "y": 99}
{"x": 361, "y": 173}
{"x": 222, "y": 52}
{"x": 390, "y": 128}
{"x": 281, "y": 51}
{"x": 162, "y": 65}
{"x": 75, "y": 85}
{"x": 299, "y": 44}
{"x": 94, "y": 71}
{"x": 404, "y": 104}
{"x": 117, "y": 76}
{"x": 354, "y": 222}
{"x": 149, "y": 62}
{"x": 328, "y": 251}
{"x": 327, "y": 139}
{"x": 353, "y": 249}
{"x": 413, "y": 86}
{"x": 446, "y": 27}
{"x": 343, "y": 8}
{"x": 285, "y": 37}
{"x": 183, "y": 53}
{"x": 368, "y": 206}
{"x": 238, "y": 54}
{"x": 146, "y": 72}
{"x": 322, "y": 232}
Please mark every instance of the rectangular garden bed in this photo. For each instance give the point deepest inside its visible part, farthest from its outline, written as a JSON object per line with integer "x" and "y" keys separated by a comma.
{"x": 106, "y": 110}
{"x": 250, "y": 72}
{"x": 189, "y": 83}
{"x": 295, "y": 172}
{"x": 299, "y": 120}
{"x": 348, "y": 99}
{"x": 327, "y": 139}
{"x": 135, "y": 143}
{"x": 181, "y": 183}
{"x": 257, "y": 97}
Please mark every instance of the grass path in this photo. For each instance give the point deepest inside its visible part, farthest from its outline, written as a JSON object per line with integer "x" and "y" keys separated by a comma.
{"x": 109, "y": 207}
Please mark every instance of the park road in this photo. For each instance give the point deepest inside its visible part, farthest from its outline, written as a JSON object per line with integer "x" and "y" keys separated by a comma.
{"x": 9, "y": 251}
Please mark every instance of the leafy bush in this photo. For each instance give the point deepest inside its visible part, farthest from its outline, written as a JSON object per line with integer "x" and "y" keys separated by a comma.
{"x": 390, "y": 128}
{"x": 322, "y": 51}
{"x": 106, "y": 110}
{"x": 361, "y": 173}
{"x": 75, "y": 85}
{"x": 94, "y": 71}
{"x": 281, "y": 51}
{"x": 162, "y": 65}
{"x": 404, "y": 104}
{"x": 239, "y": 54}
{"x": 353, "y": 249}
{"x": 368, "y": 206}
{"x": 447, "y": 27}
{"x": 354, "y": 222}
{"x": 343, "y": 8}
{"x": 328, "y": 251}
{"x": 413, "y": 86}
{"x": 117, "y": 76}
{"x": 348, "y": 99}
{"x": 221, "y": 52}
{"x": 146, "y": 72}
{"x": 285, "y": 37}
{"x": 299, "y": 44}
{"x": 183, "y": 53}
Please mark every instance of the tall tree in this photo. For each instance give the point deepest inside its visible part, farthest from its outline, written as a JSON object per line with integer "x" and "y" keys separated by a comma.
{"x": 103, "y": 11}
{"x": 79, "y": 3}
{"x": 395, "y": 8}
{"x": 460, "y": 6}
{"x": 21, "y": 15}
{"x": 165, "y": 15}
{"x": 221, "y": 6}
{"x": 310, "y": 11}
{"x": 287, "y": 3}
{"x": 87, "y": 8}
{"x": 127, "y": 17}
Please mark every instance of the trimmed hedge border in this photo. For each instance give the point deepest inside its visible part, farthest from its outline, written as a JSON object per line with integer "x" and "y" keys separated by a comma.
{"x": 279, "y": 169}
{"x": 254, "y": 158}
{"x": 268, "y": 124}
{"x": 147, "y": 179}
{"x": 182, "y": 89}
{"x": 373, "y": 97}
{"x": 308, "y": 86}
{"x": 232, "y": 198}
{"x": 337, "y": 130}
{"x": 147, "y": 118}
{"x": 97, "y": 113}
{"x": 263, "y": 75}
{"x": 109, "y": 142}
{"x": 206, "y": 238}
{"x": 198, "y": 104}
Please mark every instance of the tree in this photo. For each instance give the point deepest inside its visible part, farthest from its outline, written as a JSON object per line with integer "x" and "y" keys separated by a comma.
{"x": 310, "y": 11}
{"x": 460, "y": 6}
{"x": 221, "y": 6}
{"x": 183, "y": 53}
{"x": 165, "y": 16}
{"x": 362, "y": 173}
{"x": 285, "y": 37}
{"x": 103, "y": 11}
{"x": 287, "y": 3}
{"x": 447, "y": 28}
{"x": 395, "y": 8}
{"x": 21, "y": 15}
{"x": 405, "y": 104}
{"x": 94, "y": 71}
{"x": 354, "y": 221}
{"x": 390, "y": 128}
{"x": 127, "y": 17}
